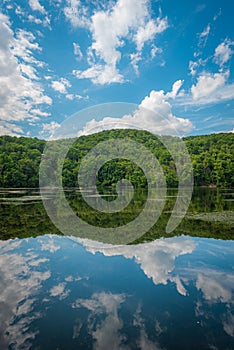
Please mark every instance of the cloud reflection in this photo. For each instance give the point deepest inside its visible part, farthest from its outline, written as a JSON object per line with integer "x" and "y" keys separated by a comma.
{"x": 156, "y": 259}
{"x": 50, "y": 275}
{"x": 19, "y": 285}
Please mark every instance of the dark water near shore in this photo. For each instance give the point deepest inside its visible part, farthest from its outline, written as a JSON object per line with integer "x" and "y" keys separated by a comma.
{"x": 160, "y": 292}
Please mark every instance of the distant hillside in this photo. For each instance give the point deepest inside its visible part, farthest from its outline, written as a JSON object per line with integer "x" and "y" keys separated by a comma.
{"x": 212, "y": 158}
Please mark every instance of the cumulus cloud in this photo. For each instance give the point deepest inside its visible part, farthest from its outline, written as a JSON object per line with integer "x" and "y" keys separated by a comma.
{"x": 33, "y": 19}
{"x": 110, "y": 28}
{"x": 211, "y": 87}
{"x": 154, "y": 113}
{"x": 155, "y": 50}
{"x": 195, "y": 65}
{"x": 148, "y": 32}
{"x": 18, "y": 74}
{"x": 10, "y": 129}
{"x": 38, "y": 112}
{"x": 76, "y": 13}
{"x": 73, "y": 96}
{"x": 175, "y": 89}
{"x": 222, "y": 55}
{"x": 100, "y": 74}
{"x": 211, "y": 94}
{"x": 61, "y": 85}
{"x": 36, "y": 6}
{"x": 135, "y": 58}
{"x": 223, "y": 52}
{"x": 207, "y": 84}
{"x": 48, "y": 129}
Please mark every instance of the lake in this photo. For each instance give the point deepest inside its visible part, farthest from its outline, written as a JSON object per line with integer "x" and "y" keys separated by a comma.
{"x": 160, "y": 291}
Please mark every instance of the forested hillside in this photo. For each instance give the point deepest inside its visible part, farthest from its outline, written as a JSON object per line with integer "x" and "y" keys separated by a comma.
{"x": 212, "y": 158}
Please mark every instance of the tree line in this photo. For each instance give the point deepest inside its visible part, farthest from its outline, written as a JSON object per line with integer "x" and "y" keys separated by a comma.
{"x": 211, "y": 156}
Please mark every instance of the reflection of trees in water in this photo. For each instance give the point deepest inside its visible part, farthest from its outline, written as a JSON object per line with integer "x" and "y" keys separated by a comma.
{"x": 26, "y": 219}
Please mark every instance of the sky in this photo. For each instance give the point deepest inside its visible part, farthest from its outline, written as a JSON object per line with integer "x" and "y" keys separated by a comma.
{"x": 175, "y": 58}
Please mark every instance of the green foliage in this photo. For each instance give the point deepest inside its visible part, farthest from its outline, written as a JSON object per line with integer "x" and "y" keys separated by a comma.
{"x": 19, "y": 161}
{"x": 211, "y": 156}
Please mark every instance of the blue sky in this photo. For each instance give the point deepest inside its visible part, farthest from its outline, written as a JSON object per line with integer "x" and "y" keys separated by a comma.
{"x": 58, "y": 57}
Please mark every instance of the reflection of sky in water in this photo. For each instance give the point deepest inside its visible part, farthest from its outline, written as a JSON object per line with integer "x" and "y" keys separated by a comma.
{"x": 174, "y": 293}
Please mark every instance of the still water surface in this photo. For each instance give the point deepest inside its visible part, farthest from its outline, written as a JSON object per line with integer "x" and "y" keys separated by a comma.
{"x": 174, "y": 292}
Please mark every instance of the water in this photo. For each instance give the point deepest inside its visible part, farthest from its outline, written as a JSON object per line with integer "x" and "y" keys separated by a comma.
{"x": 161, "y": 292}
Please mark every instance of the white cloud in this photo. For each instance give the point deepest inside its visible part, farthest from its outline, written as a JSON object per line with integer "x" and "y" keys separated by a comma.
{"x": 24, "y": 45}
{"x": 211, "y": 87}
{"x": 109, "y": 27}
{"x": 222, "y": 92}
{"x": 28, "y": 71}
{"x": 194, "y": 65}
{"x": 223, "y": 52}
{"x": 45, "y": 22}
{"x": 48, "y": 130}
{"x": 207, "y": 84}
{"x": 74, "y": 96}
{"x": 203, "y": 37}
{"x": 124, "y": 20}
{"x": 10, "y": 129}
{"x": 76, "y": 13}
{"x": 205, "y": 32}
{"x": 39, "y": 113}
{"x": 155, "y": 50}
{"x": 154, "y": 113}
{"x": 33, "y": 19}
{"x": 148, "y": 31}
{"x": 61, "y": 85}
{"x": 100, "y": 74}
{"x": 70, "y": 97}
{"x": 175, "y": 89}
{"x": 18, "y": 73}
{"x": 77, "y": 51}
{"x": 36, "y": 6}
{"x": 135, "y": 58}
{"x": 48, "y": 77}
{"x": 19, "y": 11}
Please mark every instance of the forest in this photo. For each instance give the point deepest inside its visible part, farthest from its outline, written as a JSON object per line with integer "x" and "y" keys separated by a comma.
{"x": 211, "y": 156}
